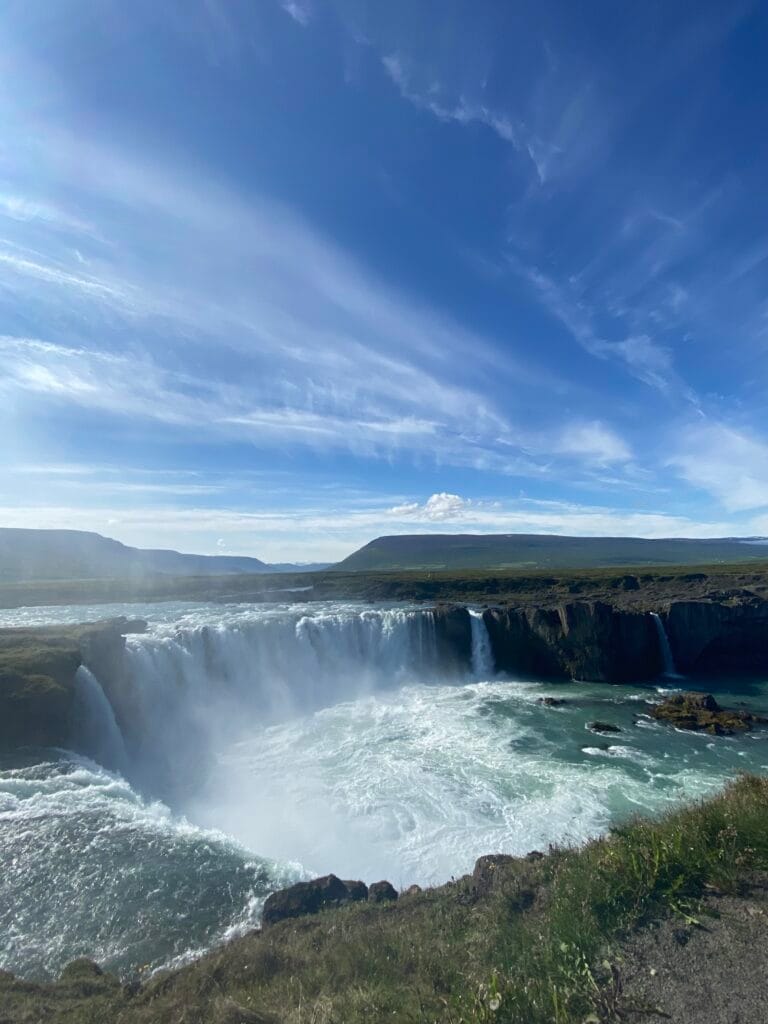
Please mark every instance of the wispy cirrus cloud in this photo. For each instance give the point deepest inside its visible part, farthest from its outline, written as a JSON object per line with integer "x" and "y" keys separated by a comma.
{"x": 299, "y": 10}
{"x": 352, "y": 366}
{"x": 547, "y": 150}
{"x": 730, "y": 464}
{"x": 28, "y": 210}
{"x": 643, "y": 357}
{"x": 594, "y": 441}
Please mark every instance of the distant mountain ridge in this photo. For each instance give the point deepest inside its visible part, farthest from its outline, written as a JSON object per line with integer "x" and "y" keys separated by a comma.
{"x": 27, "y": 555}
{"x": 432, "y": 551}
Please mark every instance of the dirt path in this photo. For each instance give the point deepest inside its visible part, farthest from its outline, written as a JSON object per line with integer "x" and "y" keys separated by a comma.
{"x": 713, "y": 974}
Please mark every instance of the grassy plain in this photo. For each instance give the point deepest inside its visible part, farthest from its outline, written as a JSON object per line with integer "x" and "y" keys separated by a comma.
{"x": 623, "y": 585}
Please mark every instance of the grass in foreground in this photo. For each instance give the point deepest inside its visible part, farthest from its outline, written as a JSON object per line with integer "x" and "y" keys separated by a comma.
{"x": 529, "y": 942}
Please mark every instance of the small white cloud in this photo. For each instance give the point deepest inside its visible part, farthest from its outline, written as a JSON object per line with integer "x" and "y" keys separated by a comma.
{"x": 438, "y": 507}
{"x": 445, "y": 506}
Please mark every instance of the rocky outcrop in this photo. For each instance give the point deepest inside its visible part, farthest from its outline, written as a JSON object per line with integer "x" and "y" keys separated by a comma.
{"x": 37, "y": 676}
{"x": 700, "y": 712}
{"x": 36, "y": 692}
{"x": 603, "y": 727}
{"x": 381, "y": 892}
{"x": 728, "y": 634}
{"x": 578, "y": 640}
{"x": 453, "y": 633}
{"x": 597, "y": 641}
{"x": 514, "y": 876}
{"x": 311, "y": 897}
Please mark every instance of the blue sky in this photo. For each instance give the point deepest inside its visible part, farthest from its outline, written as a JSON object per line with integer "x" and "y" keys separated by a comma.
{"x": 280, "y": 277}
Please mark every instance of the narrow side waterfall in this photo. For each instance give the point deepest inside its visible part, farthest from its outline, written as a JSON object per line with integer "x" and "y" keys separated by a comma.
{"x": 94, "y": 727}
{"x": 670, "y": 672}
{"x": 483, "y": 666}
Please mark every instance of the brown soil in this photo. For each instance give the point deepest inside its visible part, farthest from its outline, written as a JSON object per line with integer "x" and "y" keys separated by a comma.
{"x": 715, "y": 972}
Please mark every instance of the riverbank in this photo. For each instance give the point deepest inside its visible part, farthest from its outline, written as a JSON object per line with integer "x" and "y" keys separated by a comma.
{"x": 563, "y": 938}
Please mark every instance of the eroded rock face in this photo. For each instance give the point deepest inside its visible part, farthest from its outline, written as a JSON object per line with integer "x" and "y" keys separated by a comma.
{"x": 453, "y": 631}
{"x": 713, "y": 636}
{"x": 579, "y": 640}
{"x": 311, "y": 897}
{"x": 700, "y": 712}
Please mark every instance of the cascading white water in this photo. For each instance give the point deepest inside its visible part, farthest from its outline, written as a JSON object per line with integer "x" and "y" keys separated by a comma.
{"x": 187, "y": 691}
{"x": 95, "y": 729}
{"x": 667, "y": 658}
{"x": 483, "y": 665}
{"x": 291, "y": 741}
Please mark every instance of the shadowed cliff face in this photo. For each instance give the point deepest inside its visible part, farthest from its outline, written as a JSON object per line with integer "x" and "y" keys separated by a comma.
{"x": 580, "y": 640}
{"x": 715, "y": 636}
{"x": 598, "y": 642}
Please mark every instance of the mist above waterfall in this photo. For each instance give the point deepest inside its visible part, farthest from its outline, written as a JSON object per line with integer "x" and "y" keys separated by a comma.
{"x": 185, "y": 691}
{"x": 286, "y": 740}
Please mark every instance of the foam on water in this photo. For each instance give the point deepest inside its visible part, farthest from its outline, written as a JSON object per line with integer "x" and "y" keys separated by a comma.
{"x": 90, "y": 868}
{"x": 329, "y": 735}
{"x": 414, "y": 786}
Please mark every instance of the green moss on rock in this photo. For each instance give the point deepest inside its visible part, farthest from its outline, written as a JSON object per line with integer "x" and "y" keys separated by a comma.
{"x": 700, "y": 712}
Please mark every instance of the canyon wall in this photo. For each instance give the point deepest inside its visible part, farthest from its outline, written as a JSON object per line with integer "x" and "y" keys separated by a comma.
{"x": 586, "y": 640}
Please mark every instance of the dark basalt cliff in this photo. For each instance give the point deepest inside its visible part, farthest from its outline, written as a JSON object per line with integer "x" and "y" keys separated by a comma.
{"x": 597, "y": 641}
{"x": 581, "y": 640}
{"x": 589, "y": 640}
{"x": 713, "y": 636}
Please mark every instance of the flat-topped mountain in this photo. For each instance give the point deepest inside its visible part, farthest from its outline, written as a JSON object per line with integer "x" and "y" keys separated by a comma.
{"x": 27, "y": 555}
{"x": 545, "y": 551}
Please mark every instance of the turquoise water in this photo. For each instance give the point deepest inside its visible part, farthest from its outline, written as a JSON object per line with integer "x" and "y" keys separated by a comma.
{"x": 331, "y": 744}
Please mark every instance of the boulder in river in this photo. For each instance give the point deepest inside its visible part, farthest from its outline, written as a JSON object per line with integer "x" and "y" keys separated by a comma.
{"x": 700, "y": 712}
{"x": 603, "y": 727}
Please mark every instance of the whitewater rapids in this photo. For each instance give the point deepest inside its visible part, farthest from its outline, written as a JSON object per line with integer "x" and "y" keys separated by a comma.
{"x": 243, "y": 747}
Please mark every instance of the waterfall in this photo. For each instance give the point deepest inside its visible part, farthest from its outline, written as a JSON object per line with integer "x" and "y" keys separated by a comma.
{"x": 94, "y": 728}
{"x": 668, "y": 662}
{"x": 483, "y": 666}
{"x": 185, "y": 693}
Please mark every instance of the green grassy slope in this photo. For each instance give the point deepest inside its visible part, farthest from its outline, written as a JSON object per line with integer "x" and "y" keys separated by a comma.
{"x": 541, "y": 551}
{"x": 521, "y": 942}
